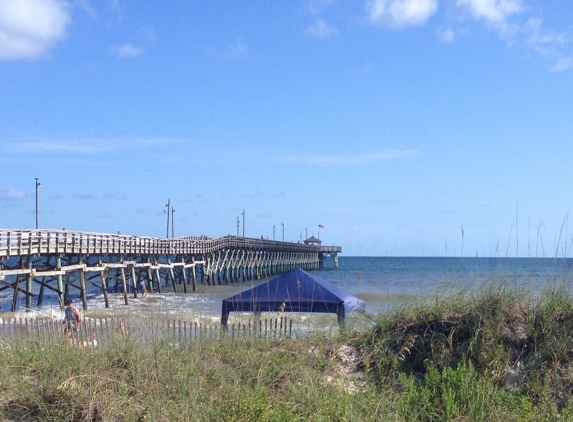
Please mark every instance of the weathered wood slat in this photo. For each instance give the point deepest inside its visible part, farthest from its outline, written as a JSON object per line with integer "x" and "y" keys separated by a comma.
{"x": 73, "y": 267}
{"x": 15, "y": 272}
{"x": 36, "y": 273}
{"x": 118, "y": 265}
{"x": 95, "y": 269}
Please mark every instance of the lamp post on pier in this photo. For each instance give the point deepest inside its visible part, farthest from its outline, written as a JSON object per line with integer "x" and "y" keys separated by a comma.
{"x": 38, "y": 184}
{"x": 283, "y": 224}
{"x": 238, "y": 226}
{"x": 168, "y": 209}
{"x": 273, "y": 232}
{"x": 243, "y": 223}
{"x": 172, "y": 223}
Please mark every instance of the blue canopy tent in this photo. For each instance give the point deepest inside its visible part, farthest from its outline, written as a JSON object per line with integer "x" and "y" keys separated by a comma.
{"x": 295, "y": 291}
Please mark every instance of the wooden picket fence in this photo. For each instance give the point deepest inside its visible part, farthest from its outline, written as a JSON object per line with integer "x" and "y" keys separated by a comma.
{"x": 148, "y": 330}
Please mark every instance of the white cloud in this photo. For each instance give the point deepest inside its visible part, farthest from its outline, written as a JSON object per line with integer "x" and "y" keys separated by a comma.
{"x": 400, "y": 12}
{"x": 239, "y": 50}
{"x": 86, "y": 146}
{"x": 361, "y": 72}
{"x": 548, "y": 43}
{"x": 317, "y": 6}
{"x": 148, "y": 33}
{"x": 11, "y": 195}
{"x": 253, "y": 194}
{"x": 447, "y": 35}
{"x": 83, "y": 196}
{"x": 235, "y": 51}
{"x": 542, "y": 41}
{"x": 562, "y": 64}
{"x": 127, "y": 50}
{"x": 114, "y": 7}
{"x": 495, "y": 11}
{"x": 86, "y": 7}
{"x": 54, "y": 146}
{"x": 368, "y": 158}
{"x": 322, "y": 30}
{"x": 29, "y": 28}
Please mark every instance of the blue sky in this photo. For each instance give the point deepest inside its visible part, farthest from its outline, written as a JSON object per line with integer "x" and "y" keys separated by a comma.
{"x": 405, "y": 127}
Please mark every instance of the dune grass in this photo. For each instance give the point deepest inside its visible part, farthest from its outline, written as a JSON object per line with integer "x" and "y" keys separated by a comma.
{"x": 244, "y": 380}
{"x": 494, "y": 355}
{"x": 500, "y": 354}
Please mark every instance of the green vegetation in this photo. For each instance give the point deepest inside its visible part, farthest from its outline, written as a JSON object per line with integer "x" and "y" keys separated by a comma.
{"x": 498, "y": 355}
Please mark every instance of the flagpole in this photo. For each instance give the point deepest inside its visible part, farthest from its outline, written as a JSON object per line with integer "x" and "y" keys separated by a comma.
{"x": 320, "y": 226}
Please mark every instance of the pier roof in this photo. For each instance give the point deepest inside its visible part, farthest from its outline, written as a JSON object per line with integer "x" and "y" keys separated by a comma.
{"x": 312, "y": 241}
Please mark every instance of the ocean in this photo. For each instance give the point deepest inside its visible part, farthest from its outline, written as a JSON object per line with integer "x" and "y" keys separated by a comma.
{"x": 382, "y": 282}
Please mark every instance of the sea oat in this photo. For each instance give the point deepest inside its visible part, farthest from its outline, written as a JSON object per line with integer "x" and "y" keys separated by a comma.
{"x": 405, "y": 349}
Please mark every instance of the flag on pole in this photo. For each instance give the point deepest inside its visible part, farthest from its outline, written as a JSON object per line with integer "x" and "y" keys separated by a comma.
{"x": 320, "y": 226}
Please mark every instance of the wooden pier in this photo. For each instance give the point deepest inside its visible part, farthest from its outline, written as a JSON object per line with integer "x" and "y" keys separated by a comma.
{"x": 63, "y": 261}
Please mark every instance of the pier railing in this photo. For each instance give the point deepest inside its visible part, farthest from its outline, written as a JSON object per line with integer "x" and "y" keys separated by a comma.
{"x": 40, "y": 242}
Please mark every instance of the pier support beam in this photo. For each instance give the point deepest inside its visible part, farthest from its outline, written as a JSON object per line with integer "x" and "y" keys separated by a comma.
{"x": 83, "y": 290}
{"x": 60, "y": 282}
{"x": 134, "y": 281}
{"x": 104, "y": 287}
{"x": 124, "y": 285}
{"x": 194, "y": 275}
{"x": 29, "y": 286}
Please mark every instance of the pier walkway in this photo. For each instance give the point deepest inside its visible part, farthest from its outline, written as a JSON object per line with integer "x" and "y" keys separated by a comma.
{"x": 33, "y": 261}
